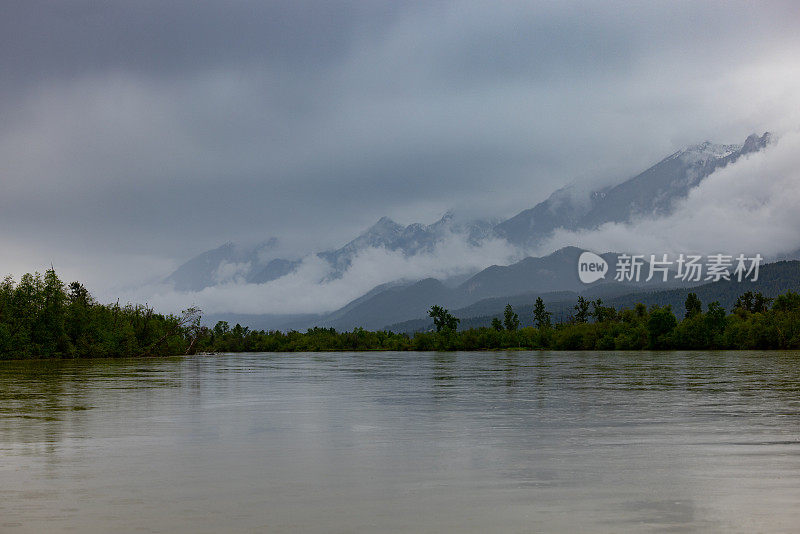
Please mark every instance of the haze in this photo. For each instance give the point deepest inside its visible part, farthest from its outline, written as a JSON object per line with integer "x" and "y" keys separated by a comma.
{"x": 135, "y": 135}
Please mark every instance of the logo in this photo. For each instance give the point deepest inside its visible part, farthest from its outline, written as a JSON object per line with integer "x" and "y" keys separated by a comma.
{"x": 591, "y": 267}
{"x": 686, "y": 267}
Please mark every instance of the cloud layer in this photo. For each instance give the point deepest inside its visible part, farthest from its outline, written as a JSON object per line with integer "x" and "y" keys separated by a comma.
{"x": 310, "y": 289}
{"x": 138, "y": 134}
{"x": 747, "y": 207}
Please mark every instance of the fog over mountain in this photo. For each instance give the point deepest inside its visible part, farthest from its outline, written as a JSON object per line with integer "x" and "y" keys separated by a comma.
{"x": 653, "y": 193}
{"x": 743, "y": 207}
{"x": 305, "y": 153}
{"x": 259, "y": 263}
{"x": 701, "y": 181}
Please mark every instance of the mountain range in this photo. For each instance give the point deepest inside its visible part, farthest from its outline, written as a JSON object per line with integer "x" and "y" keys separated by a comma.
{"x": 530, "y": 276}
{"x": 774, "y": 279}
{"x": 654, "y": 192}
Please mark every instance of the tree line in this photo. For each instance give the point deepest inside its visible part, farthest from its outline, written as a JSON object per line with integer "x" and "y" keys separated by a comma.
{"x": 756, "y": 322}
{"x": 40, "y": 317}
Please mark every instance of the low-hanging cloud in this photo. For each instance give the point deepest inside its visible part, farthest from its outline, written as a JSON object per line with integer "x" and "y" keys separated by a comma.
{"x": 309, "y": 289}
{"x": 136, "y": 135}
{"x": 750, "y": 206}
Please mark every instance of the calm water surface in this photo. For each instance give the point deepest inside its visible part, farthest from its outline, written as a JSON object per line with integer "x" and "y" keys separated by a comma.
{"x": 403, "y": 442}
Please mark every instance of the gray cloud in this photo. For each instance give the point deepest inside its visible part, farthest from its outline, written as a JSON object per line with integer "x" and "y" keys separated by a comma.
{"x": 745, "y": 208}
{"x": 310, "y": 289}
{"x": 136, "y": 134}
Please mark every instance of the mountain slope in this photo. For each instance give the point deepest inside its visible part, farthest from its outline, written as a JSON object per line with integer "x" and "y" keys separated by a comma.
{"x": 219, "y": 265}
{"x": 259, "y": 264}
{"x": 409, "y": 240}
{"x": 553, "y": 273}
{"x": 653, "y": 192}
{"x": 774, "y": 279}
{"x": 395, "y": 303}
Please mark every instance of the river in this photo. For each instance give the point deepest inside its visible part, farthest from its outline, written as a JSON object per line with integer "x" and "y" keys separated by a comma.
{"x": 403, "y": 442}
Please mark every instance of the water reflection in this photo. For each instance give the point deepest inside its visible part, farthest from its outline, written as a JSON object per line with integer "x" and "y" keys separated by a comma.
{"x": 505, "y": 441}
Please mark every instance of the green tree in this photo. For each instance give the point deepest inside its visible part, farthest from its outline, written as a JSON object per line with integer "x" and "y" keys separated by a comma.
{"x": 752, "y": 302}
{"x": 716, "y": 321}
{"x": 541, "y": 317}
{"x": 744, "y": 302}
{"x": 602, "y": 313}
{"x": 497, "y": 324}
{"x": 581, "y": 311}
{"x": 691, "y": 333}
{"x": 761, "y": 303}
{"x": 78, "y": 320}
{"x": 789, "y": 301}
{"x": 510, "y": 319}
{"x": 693, "y": 306}
{"x": 661, "y": 324}
{"x": 443, "y": 319}
{"x": 79, "y": 294}
{"x": 51, "y": 323}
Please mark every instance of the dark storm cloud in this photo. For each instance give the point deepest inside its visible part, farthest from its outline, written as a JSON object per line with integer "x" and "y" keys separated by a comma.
{"x": 78, "y": 38}
{"x": 161, "y": 129}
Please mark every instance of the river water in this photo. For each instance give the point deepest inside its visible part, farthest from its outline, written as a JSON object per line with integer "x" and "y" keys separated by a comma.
{"x": 403, "y": 442}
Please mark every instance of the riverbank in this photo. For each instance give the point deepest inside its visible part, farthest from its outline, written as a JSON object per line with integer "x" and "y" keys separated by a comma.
{"x": 41, "y": 318}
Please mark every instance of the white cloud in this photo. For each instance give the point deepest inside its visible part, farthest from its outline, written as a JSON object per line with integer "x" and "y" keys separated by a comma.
{"x": 307, "y": 290}
{"x": 749, "y": 207}
{"x": 229, "y": 272}
{"x": 115, "y": 161}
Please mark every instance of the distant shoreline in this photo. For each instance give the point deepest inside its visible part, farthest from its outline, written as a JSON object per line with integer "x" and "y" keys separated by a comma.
{"x": 41, "y": 318}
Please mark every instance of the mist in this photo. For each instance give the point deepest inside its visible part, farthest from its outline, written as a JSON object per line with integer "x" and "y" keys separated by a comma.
{"x": 747, "y": 207}
{"x": 138, "y": 135}
{"x": 311, "y": 289}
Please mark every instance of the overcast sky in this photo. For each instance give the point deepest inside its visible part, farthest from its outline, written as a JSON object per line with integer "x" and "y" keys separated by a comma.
{"x": 135, "y": 134}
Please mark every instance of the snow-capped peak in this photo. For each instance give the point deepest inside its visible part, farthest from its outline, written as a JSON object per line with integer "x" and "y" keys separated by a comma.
{"x": 707, "y": 151}
{"x": 385, "y": 227}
